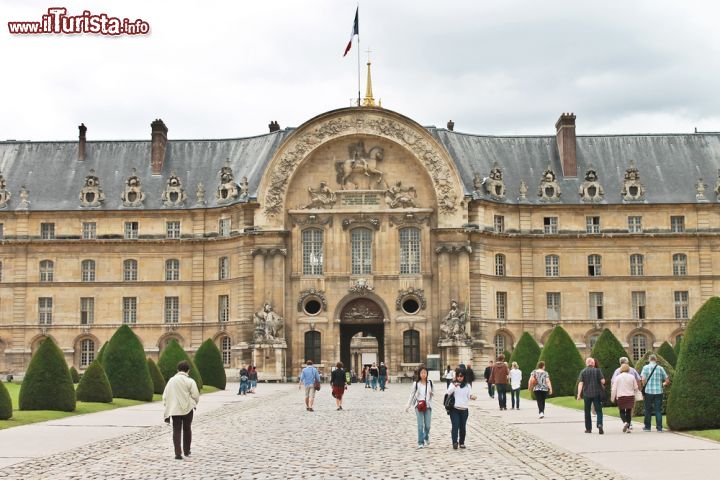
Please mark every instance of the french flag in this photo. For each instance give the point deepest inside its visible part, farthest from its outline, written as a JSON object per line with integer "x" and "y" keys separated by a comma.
{"x": 355, "y": 31}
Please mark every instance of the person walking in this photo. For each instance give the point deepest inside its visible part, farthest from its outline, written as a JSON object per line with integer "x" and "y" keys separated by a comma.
{"x": 244, "y": 381}
{"x": 253, "y": 376}
{"x": 459, "y": 413}
{"x": 338, "y": 381}
{"x": 499, "y": 378}
{"x": 540, "y": 384}
{"x": 374, "y": 374}
{"x": 654, "y": 378}
{"x": 634, "y": 373}
{"x": 490, "y": 386}
{"x": 469, "y": 374}
{"x": 421, "y": 400}
{"x": 308, "y": 378}
{"x": 515, "y": 380}
{"x": 449, "y": 376}
{"x": 180, "y": 398}
{"x": 624, "y": 388}
{"x": 591, "y": 388}
{"x": 366, "y": 376}
{"x": 383, "y": 375}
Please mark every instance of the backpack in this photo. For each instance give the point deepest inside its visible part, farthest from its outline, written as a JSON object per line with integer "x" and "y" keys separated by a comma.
{"x": 449, "y": 402}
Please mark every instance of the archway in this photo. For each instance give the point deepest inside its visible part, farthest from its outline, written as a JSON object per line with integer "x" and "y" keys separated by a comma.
{"x": 365, "y": 317}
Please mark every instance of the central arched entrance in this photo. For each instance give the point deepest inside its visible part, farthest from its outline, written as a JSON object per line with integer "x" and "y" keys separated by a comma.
{"x": 361, "y": 320}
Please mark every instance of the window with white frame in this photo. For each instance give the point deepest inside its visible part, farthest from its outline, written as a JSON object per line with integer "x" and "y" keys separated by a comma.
{"x": 409, "y": 250}
{"x": 638, "y": 305}
{"x": 596, "y": 306}
{"x": 130, "y": 270}
{"x": 223, "y": 308}
{"x": 592, "y": 340}
{"x": 361, "y": 247}
{"x": 634, "y": 224}
{"x": 172, "y": 309}
{"x": 677, "y": 223}
{"x": 224, "y": 227}
{"x": 639, "y": 346}
{"x": 500, "y": 265}
{"x": 87, "y": 352}
{"x": 47, "y": 231}
{"x": 87, "y": 270}
{"x": 550, "y": 225}
{"x": 499, "y": 224}
{"x": 172, "y": 269}
{"x": 681, "y": 305}
{"x": 553, "y": 306}
{"x": 172, "y": 229}
{"x": 129, "y": 311}
{"x": 223, "y": 268}
{"x": 501, "y": 305}
{"x": 500, "y": 343}
{"x": 637, "y": 265}
{"x": 592, "y": 224}
{"x": 47, "y": 270}
{"x": 226, "y": 351}
{"x": 594, "y": 265}
{"x": 132, "y": 230}
{"x": 552, "y": 266}
{"x": 87, "y": 310}
{"x": 45, "y": 314}
{"x": 89, "y": 231}
{"x": 679, "y": 261}
{"x": 312, "y": 245}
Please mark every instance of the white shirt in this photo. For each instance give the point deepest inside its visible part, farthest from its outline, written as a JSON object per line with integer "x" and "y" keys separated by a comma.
{"x": 462, "y": 395}
{"x": 181, "y": 395}
{"x": 421, "y": 392}
{"x": 515, "y": 378}
{"x": 450, "y": 375}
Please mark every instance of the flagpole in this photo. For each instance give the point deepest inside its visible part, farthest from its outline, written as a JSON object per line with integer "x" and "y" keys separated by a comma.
{"x": 358, "y": 52}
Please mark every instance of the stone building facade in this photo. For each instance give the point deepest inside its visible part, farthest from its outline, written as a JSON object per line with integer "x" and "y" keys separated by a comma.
{"x": 358, "y": 230}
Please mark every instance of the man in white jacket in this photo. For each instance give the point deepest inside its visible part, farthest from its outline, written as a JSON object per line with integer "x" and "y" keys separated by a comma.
{"x": 180, "y": 397}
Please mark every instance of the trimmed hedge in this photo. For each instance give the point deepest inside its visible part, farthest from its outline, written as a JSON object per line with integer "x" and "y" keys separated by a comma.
{"x": 74, "y": 375}
{"x": 667, "y": 352}
{"x": 526, "y": 354}
{"x": 507, "y": 354}
{"x": 6, "y": 410}
{"x": 94, "y": 385}
{"x": 678, "y": 344}
{"x": 157, "y": 378}
{"x": 210, "y": 364}
{"x": 607, "y": 351}
{"x": 638, "y": 409}
{"x": 47, "y": 384}
{"x": 563, "y": 362}
{"x": 101, "y": 353}
{"x": 125, "y": 366}
{"x": 694, "y": 403}
{"x": 169, "y": 359}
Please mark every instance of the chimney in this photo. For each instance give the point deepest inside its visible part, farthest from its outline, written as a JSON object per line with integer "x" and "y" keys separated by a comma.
{"x": 159, "y": 144}
{"x": 81, "y": 142}
{"x": 565, "y": 136}
{"x": 274, "y": 126}
{"x": 451, "y": 125}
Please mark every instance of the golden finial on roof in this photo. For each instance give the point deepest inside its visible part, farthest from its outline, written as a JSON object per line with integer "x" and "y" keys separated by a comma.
{"x": 368, "y": 101}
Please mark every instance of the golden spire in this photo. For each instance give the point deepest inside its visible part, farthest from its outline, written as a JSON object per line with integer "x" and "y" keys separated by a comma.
{"x": 368, "y": 101}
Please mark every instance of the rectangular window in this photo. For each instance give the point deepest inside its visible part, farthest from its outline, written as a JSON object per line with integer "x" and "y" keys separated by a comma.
{"x": 553, "y": 305}
{"x": 224, "y": 227}
{"x": 172, "y": 229}
{"x": 638, "y": 305}
{"x": 172, "y": 309}
{"x": 634, "y": 224}
{"x": 361, "y": 251}
{"x": 131, "y": 230}
{"x": 409, "y": 250}
{"x": 312, "y": 244}
{"x": 501, "y": 305}
{"x": 677, "y": 224}
{"x": 129, "y": 309}
{"x": 411, "y": 346}
{"x": 223, "y": 308}
{"x": 550, "y": 225}
{"x": 223, "y": 268}
{"x": 552, "y": 266}
{"x": 681, "y": 305}
{"x": 596, "y": 306}
{"x": 47, "y": 231}
{"x": 592, "y": 224}
{"x": 89, "y": 231}
{"x": 87, "y": 310}
{"x": 499, "y": 224}
{"x": 45, "y": 305}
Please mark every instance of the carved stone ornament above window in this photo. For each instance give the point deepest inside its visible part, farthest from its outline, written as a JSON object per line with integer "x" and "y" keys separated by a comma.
{"x": 91, "y": 195}
{"x": 416, "y": 293}
{"x": 494, "y": 184}
{"x": 549, "y": 189}
{"x": 268, "y": 251}
{"x": 133, "y": 195}
{"x": 633, "y": 190}
{"x": 311, "y": 219}
{"x": 453, "y": 248}
{"x": 321, "y": 197}
{"x": 409, "y": 219}
{"x": 174, "y": 194}
{"x": 398, "y": 196}
{"x": 228, "y": 190}
{"x": 24, "y": 199}
{"x": 361, "y": 287}
{"x": 244, "y": 188}
{"x": 361, "y": 221}
{"x": 591, "y": 191}
{"x": 700, "y": 189}
{"x": 5, "y": 195}
{"x": 312, "y": 293}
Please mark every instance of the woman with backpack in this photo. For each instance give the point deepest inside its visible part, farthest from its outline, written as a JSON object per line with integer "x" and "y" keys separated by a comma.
{"x": 244, "y": 381}
{"x": 539, "y": 383}
{"x": 421, "y": 399}
{"x": 461, "y": 392}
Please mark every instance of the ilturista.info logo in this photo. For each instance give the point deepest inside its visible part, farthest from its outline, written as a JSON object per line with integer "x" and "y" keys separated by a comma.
{"x": 58, "y": 22}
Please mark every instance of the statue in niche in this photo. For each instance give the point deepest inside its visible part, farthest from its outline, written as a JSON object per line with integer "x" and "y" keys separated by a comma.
{"x": 452, "y": 326}
{"x": 523, "y": 191}
{"x": 494, "y": 185}
{"x": 321, "y": 197}
{"x": 700, "y": 188}
{"x": 24, "y": 199}
{"x": 227, "y": 191}
{"x": 398, "y": 196}
{"x": 244, "y": 188}
{"x": 174, "y": 194}
{"x": 268, "y": 324}
{"x": 360, "y": 162}
{"x": 549, "y": 189}
{"x": 591, "y": 190}
{"x": 91, "y": 195}
{"x": 200, "y": 194}
{"x": 133, "y": 195}
{"x": 478, "y": 181}
{"x": 5, "y": 195}
{"x": 632, "y": 189}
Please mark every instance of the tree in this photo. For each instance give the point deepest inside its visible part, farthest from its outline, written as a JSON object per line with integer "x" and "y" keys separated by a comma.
{"x": 157, "y": 378}
{"x": 667, "y": 352}
{"x": 562, "y": 362}
{"x": 607, "y": 351}
{"x": 639, "y": 408}
{"x": 169, "y": 359}
{"x": 100, "y": 354}
{"x": 210, "y": 364}
{"x": 526, "y": 354}
{"x": 74, "y": 375}
{"x": 47, "y": 384}
{"x": 678, "y": 344}
{"x": 507, "y": 355}
{"x": 694, "y": 403}
{"x": 6, "y": 410}
{"x": 125, "y": 366}
{"x": 94, "y": 385}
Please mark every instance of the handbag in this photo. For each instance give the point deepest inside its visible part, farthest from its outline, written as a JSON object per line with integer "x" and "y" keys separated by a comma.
{"x": 422, "y": 404}
{"x": 317, "y": 386}
{"x": 639, "y": 395}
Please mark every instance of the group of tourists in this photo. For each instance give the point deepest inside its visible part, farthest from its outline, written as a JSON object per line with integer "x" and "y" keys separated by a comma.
{"x": 248, "y": 380}
{"x": 374, "y": 376}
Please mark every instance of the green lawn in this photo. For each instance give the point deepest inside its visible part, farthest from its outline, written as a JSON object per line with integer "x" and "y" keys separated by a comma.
{"x": 23, "y": 417}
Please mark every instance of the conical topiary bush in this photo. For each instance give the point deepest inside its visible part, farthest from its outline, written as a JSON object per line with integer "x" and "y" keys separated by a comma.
{"x": 507, "y": 354}
{"x": 562, "y": 362}
{"x": 209, "y": 361}
{"x": 694, "y": 402}
{"x": 157, "y": 378}
{"x": 47, "y": 384}
{"x": 607, "y": 351}
{"x": 125, "y": 366}
{"x": 94, "y": 385}
{"x": 666, "y": 351}
{"x": 6, "y": 409}
{"x": 639, "y": 405}
{"x": 101, "y": 354}
{"x": 526, "y": 354}
{"x": 678, "y": 344}
{"x": 169, "y": 359}
{"x": 74, "y": 375}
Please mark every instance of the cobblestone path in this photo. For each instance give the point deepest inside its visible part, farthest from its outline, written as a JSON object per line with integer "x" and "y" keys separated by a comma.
{"x": 270, "y": 435}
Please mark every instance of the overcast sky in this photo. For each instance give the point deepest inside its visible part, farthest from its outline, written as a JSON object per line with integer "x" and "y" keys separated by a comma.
{"x": 224, "y": 69}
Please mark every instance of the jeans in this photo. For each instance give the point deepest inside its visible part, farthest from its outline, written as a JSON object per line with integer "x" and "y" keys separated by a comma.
{"x": 447, "y": 383}
{"x": 244, "y": 386}
{"x": 597, "y": 401}
{"x": 653, "y": 401}
{"x": 491, "y": 390}
{"x": 367, "y": 381}
{"x": 458, "y": 418}
{"x": 502, "y": 397}
{"x": 423, "y": 424}
{"x": 182, "y": 426}
{"x": 383, "y": 378}
{"x": 515, "y": 397}
{"x": 253, "y": 384}
{"x": 540, "y": 396}
{"x": 374, "y": 382}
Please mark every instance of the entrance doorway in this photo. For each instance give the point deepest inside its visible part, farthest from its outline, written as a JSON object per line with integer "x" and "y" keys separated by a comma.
{"x": 361, "y": 318}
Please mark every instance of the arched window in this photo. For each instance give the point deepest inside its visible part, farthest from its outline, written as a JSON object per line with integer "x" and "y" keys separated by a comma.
{"x": 637, "y": 265}
{"x": 592, "y": 340}
{"x": 312, "y": 245}
{"x": 361, "y": 246}
{"x": 130, "y": 270}
{"x": 500, "y": 342}
{"x": 312, "y": 346}
{"x": 87, "y": 268}
{"x": 172, "y": 269}
{"x": 87, "y": 352}
{"x": 47, "y": 270}
{"x": 409, "y": 250}
{"x": 594, "y": 265}
{"x": 678, "y": 339}
{"x": 679, "y": 264}
{"x": 639, "y": 346}
{"x": 411, "y": 346}
{"x": 552, "y": 266}
{"x": 223, "y": 268}
{"x": 225, "y": 350}
{"x": 500, "y": 265}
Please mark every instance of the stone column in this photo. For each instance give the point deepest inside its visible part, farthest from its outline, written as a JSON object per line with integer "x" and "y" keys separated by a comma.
{"x": 258, "y": 276}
